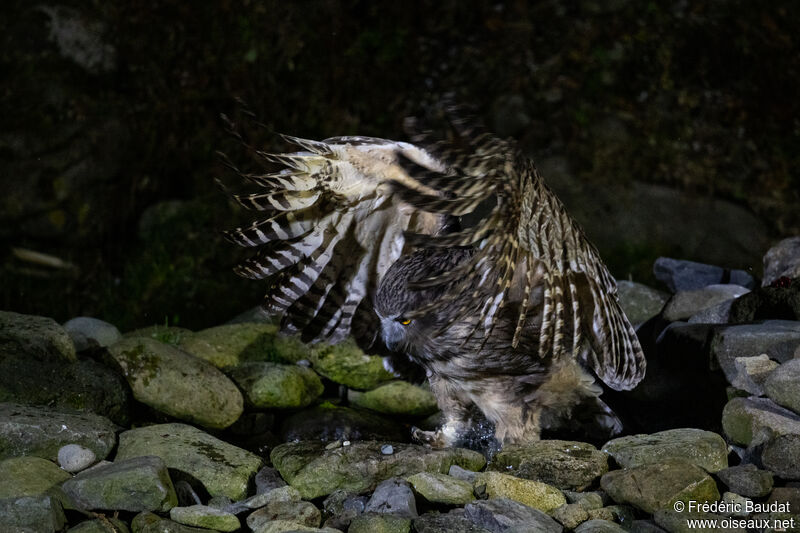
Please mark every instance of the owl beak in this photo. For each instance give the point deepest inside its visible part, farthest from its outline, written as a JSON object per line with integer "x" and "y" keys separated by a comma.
{"x": 393, "y": 335}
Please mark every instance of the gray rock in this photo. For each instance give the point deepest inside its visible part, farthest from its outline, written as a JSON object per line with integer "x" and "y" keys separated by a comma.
{"x": 274, "y": 385}
{"x": 315, "y": 471}
{"x": 500, "y": 514}
{"x": 679, "y": 275}
{"x": 752, "y": 372}
{"x": 30, "y": 476}
{"x": 599, "y": 526}
{"x": 675, "y": 522}
{"x": 639, "y": 301}
{"x": 280, "y": 494}
{"x": 379, "y": 523}
{"x": 87, "y": 332}
{"x": 178, "y": 384}
{"x": 290, "y": 526}
{"x": 223, "y": 469}
{"x": 328, "y": 423}
{"x": 35, "y": 337}
{"x": 781, "y": 456}
{"x": 205, "y": 517}
{"x": 342, "y": 507}
{"x": 301, "y": 512}
{"x": 563, "y": 464}
{"x": 783, "y": 385}
{"x": 101, "y": 525}
{"x": 716, "y": 314}
{"x": 441, "y": 488}
{"x": 396, "y": 398}
{"x": 645, "y": 526}
{"x": 744, "y": 418}
{"x": 267, "y": 479}
{"x": 588, "y": 500}
{"x": 570, "y": 515}
{"x": 782, "y": 260}
{"x": 41, "y": 432}
{"x": 147, "y": 522}
{"x": 737, "y": 502}
{"x": 451, "y": 522}
{"x": 776, "y": 338}
{"x": 747, "y": 480}
{"x": 621, "y": 514}
{"x": 31, "y": 514}
{"x": 138, "y": 484}
{"x": 387, "y": 449}
{"x": 703, "y": 448}
{"x": 687, "y": 303}
{"x": 74, "y": 457}
{"x": 651, "y": 487}
{"x": 462, "y": 473}
{"x": 393, "y": 496}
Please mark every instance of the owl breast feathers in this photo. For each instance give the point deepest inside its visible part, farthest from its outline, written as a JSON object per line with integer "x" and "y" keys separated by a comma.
{"x": 515, "y": 314}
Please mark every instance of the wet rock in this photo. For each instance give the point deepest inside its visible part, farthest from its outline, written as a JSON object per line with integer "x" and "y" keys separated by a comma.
{"x": 563, "y": 464}
{"x": 570, "y": 515}
{"x": 396, "y": 398}
{"x": 534, "y": 494}
{"x": 379, "y": 523}
{"x": 716, "y": 314}
{"x": 639, "y": 301}
{"x": 645, "y": 526}
{"x": 781, "y": 456}
{"x": 451, "y": 522}
{"x": 346, "y": 364}
{"x": 178, "y": 384}
{"x": 779, "y": 302}
{"x": 101, "y": 525}
{"x": 742, "y": 418}
{"x": 274, "y": 385}
{"x": 29, "y": 476}
{"x": 782, "y": 260}
{"x": 87, "y": 332}
{"x": 776, "y": 338}
{"x": 679, "y": 275}
{"x": 441, "y": 488}
{"x": 315, "y": 471}
{"x": 287, "y": 526}
{"x": 205, "y": 517}
{"x": 147, "y": 522}
{"x": 267, "y": 479}
{"x": 231, "y": 344}
{"x": 501, "y": 514}
{"x": 26, "y": 514}
{"x": 301, "y": 512}
{"x": 747, "y": 480}
{"x": 589, "y": 500}
{"x": 621, "y": 514}
{"x": 651, "y": 487}
{"x": 687, "y": 303}
{"x": 138, "y": 484}
{"x": 703, "y": 448}
{"x": 221, "y": 468}
{"x": 462, "y": 474}
{"x": 280, "y": 494}
{"x": 171, "y": 335}
{"x": 599, "y": 526}
{"x": 752, "y": 372}
{"x": 74, "y": 457}
{"x": 679, "y": 522}
{"x": 35, "y": 337}
{"x": 342, "y": 507}
{"x": 783, "y": 385}
{"x": 329, "y": 422}
{"x": 393, "y": 496}
{"x": 41, "y": 432}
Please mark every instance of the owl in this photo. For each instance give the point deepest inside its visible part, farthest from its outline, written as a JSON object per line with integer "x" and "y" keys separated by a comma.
{"x": 452, "y": 256}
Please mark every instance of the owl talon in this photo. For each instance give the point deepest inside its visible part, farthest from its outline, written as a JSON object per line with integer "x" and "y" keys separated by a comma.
{"x": 433, "y": 439}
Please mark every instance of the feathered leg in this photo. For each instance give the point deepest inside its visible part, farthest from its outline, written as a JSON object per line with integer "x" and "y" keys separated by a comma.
{"x": 455, "y": 407}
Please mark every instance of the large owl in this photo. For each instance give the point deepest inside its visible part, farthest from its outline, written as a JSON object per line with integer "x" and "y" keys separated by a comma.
{"x": 514, "y": 313}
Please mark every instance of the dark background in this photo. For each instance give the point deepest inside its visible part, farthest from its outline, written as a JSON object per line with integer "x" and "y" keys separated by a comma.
{"x": 666, "y": 128}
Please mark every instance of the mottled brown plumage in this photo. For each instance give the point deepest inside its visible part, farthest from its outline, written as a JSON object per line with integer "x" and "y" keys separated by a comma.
{"x": 513, "y": 314}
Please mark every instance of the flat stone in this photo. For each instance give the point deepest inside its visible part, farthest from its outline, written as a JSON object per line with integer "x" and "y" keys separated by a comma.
{"x": 639, "y": 301}
{"x": 87, "y": 332}
{"x": 396, "y": 398}
{"x": 441, "y": 488}
{"x": 35, "y": 337}
{"x": 138, "y": 484}
{"x": 446, "y": 523}
{"x": 346, "y": 364}
{"x": 29, "y": 476}
{"x": 783, "y": 385}
{"x": 599, "y": 526}
{"x": 74, "y": 457}
{"x": 782, "y": 260}
{"x": 301, "y": 512}
{"x": 275, "y": 385}
{"x": 776, "y": 338}
{"x": 41, "y": 431}
{"x": 223, "y": 469}
{"x": 280, "y": 494}
{"x": 680, "y": 275}
{"x": 651, "y": 487}
{"x": 379, "y": 523}
{"x": 177, "y": 383}
{"x": 393, "y": 496}
{"x": 31, "y": 514}
{"x": 534, "y": 494}
{"x": 501, "y": 514}
{"x": 752, "y": 372}
{"x": 744, "y": 418}
{"x": 563, "y": 464}
{"x": 205, "y": 517}
{"x": 685, "y": 304}
{"x": 781, "y": 456}
{"x": 315, "y": 471}
{"x": 703, "y": 448}
{"x": 747, "y": 480}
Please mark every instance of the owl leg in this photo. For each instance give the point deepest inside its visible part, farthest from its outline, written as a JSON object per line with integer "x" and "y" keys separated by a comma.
{"x": 455, "y": 407}
{"x": 516, "y": 424}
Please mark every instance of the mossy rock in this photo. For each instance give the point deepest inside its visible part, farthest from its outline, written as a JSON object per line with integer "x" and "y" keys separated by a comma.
{"x": 397, "y": 398}
{"x": 346, "y": 364}
{"x": 274, "y": 385}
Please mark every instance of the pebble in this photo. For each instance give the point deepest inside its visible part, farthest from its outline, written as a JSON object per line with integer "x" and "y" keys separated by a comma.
{"x": 387, "y": 449}
{"x": 74, "y": 457}
{"x": 87, "y": 332}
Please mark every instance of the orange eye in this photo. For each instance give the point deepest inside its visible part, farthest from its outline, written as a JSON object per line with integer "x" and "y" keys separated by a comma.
{"x": 405, "y": 321}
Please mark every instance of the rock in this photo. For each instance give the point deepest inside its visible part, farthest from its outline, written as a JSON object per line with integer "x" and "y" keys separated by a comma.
{"x": 441, "y": 488}
{"x": 588, "y": 500}
{"x": 138, "y": 484}
{"x": 74, "y": 457}
{"x": 178, "y": 384}
{"x": 171, "y": 335}
{"x": 288, "y": 526}
{"x": 563, "y": 464}
{"x": 716, "y": 314}
{"x": 379, "y": 523}
{"x": 205, "y": 517}
{"x": 783, "y": 385}
{"x": 776, "y": 338}
{"x": 752, "y": 372}
{"x": 301, "y": 512}
{"x": 778, "y": 302}
{"x": 675, "y": 522}
{"x": 451, "y": 522}
{"x": 29, "y": 476}
{"x": 152, "y": 523}
{"x": 743, "y": 418}
{"x": 393, "y": 496}
{"x": 280, "y": 494}
{"x": 396, "y": 398}
{"x": 679, "y": 275}
{"x": 500, "y": 514}
{"x": 87, "y": 332}
{"x": 746, "y": 480}
{"x": 31, "y": 514}
{"x": 651, "y": 487}
{"x": 315, "y": 471}
{"x": 274, "y": 385}
{"x": 346, "y": 364}
{"x": 267, "y": 479}
{"x": 101, "y": 525}
{"x": 781, "y": 456}
{"x": 645, "y": 526}
{"x": 570, "y": 515}
{"x": 223, "y": 469}
{"x": 599, "y": 526}
{"x": 703, "y": 448}
{"x": 35, "y": 337}
{"x": 782, "y": 260}
{"x": 531, "y": 493}
{"x": 621, "y": 514}
{"x": 462, "y": 474}
{"x": 639, "y": 301}
{"x": 231, "y": 344}
{"x": 738, "y": 504}
{"x": 41, "y": 432}
{"x": 687, "y": 303}
{"x": 342, "y": 507}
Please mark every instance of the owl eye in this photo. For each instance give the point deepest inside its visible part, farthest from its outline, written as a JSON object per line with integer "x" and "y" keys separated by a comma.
{"x": 404, "y": 321}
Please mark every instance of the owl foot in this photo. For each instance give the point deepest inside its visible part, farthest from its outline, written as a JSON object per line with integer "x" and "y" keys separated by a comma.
{"x": 443, "y": 437}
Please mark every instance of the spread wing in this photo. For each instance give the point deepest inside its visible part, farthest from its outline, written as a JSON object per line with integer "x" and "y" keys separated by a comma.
{"x": 527, "y": 233}
{"x": 332, "y": 228}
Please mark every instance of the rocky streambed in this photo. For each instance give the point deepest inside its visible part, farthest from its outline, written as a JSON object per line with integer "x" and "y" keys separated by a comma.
{"x": 237, "y": 428}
